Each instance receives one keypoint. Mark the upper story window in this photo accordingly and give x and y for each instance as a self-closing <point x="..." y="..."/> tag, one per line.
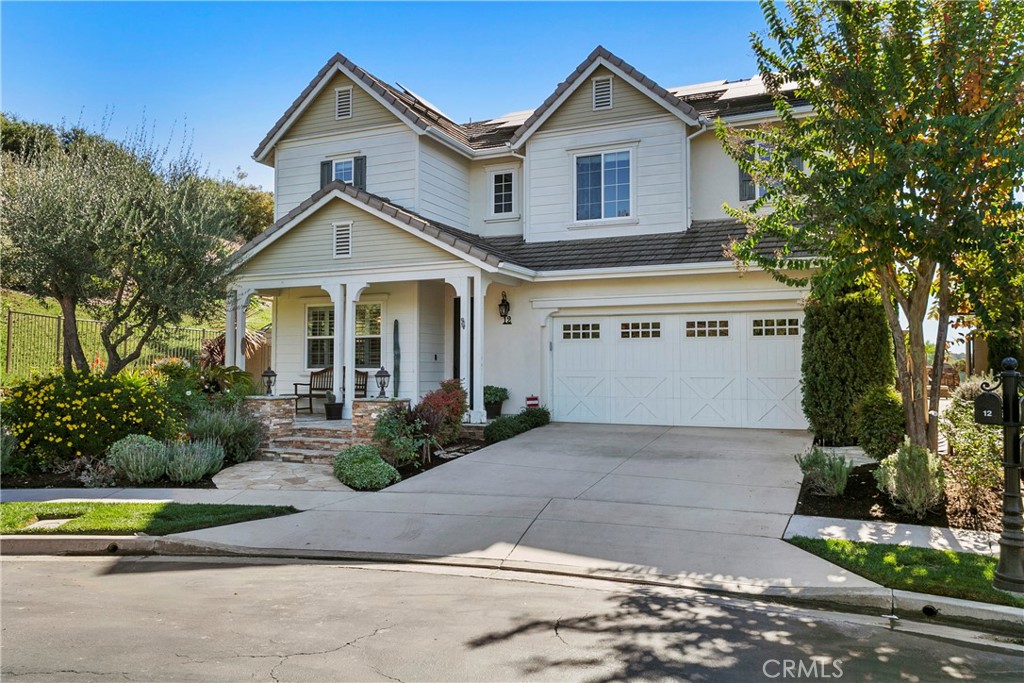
<point x="603" y="185"/>
<point x="751" y="189"/>
<point x="602" y="93"/>
<point x="501" y="184"/>
<point x="343" y="103"/>
<point x="344" y="169"/>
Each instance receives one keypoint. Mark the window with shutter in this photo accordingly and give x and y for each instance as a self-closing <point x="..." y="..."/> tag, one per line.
<point x="343" y="103"/>
<point x="342" y="240"/>
<point x="603" y="93"/>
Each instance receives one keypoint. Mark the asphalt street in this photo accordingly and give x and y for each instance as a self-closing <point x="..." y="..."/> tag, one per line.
<point x="162" y="619"/>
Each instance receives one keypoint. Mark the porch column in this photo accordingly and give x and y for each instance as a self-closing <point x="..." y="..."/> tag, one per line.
<point x="229" y="329"/>
<point x="337" y="292"/>
<point x="353" y="290"/>
<point x="463" y="290"/>
<point x="477" y="413"/>
<point x="244" y="296"/>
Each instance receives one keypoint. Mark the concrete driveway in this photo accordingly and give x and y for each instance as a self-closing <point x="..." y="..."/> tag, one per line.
<point x="707" y="507"/>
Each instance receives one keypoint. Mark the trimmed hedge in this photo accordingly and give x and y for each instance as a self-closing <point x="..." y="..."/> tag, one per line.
<point x="847" y="348"/>
<point x="360" y="467"/>
<point x="880" y="421"/>
<point x="507" y="426"/>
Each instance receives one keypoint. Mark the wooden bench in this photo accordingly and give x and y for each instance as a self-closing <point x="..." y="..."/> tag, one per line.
<point x="322" y="381"/>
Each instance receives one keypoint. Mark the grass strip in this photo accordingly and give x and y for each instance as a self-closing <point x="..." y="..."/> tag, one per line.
<point x="923" y="570"/>
<point x="154" y="519"/>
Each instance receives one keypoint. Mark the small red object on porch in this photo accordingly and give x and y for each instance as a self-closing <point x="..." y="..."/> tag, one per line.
<point x="532" y="402"/>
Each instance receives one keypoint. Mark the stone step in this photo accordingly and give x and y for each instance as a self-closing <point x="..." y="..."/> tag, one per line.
<point x="320" y="432"/>
<point x="296" y="455"/>
<point x="311" y="443"/>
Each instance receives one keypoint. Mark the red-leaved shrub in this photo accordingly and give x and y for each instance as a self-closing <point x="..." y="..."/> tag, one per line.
<point x="449" y="402"/>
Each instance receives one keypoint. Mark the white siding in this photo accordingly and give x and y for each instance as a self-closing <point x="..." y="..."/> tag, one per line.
<point x="390" y="165"/>
<point x="444" y="185"/>
<point x="431" y="335"/>
<point x="658" y="170"/>
<point x="481" y="194"/>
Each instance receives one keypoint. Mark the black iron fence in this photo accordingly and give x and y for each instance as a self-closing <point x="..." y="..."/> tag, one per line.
<point x="33" y="343"/>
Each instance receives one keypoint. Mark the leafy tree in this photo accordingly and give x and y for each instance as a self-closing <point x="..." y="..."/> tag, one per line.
<point x="912" y="154"/>
<point x="138" y="237"/>
<point x="251" y="209"/>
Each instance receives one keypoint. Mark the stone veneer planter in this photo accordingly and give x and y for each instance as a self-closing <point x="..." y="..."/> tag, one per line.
<point x="277" y="413"/>
<point x="365" y="412"/>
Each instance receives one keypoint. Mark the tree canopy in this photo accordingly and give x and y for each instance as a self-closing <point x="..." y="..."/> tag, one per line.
<point x="911" y="154"/>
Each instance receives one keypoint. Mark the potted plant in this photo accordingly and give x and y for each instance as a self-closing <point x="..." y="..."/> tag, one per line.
<point x="332" y="406"/>
<point x="493" y="398"/>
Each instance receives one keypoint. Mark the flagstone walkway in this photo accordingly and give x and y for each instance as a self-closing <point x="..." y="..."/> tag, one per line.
<point x="278" y="476"/>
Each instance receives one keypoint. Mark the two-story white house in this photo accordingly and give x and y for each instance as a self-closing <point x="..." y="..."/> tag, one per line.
<point x="597" y="217"/>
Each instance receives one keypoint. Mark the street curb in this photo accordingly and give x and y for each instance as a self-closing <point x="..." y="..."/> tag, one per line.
<point x="873" y="601"/>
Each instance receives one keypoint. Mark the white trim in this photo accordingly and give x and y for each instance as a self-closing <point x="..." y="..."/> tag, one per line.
<point x="371" y="300"/>
<point x="611" y="92"/>
<point x="491" y="172"/>
<point x="345" y="225"/>
<point x="305" y="332"/>
<point x="637" y="300"/>
<point x="334" y="167"/>
<point x="600" y="61"/>
<point x="337" y="96"/>
<point x="602" y="150"/>
<point x="799" y="112"/>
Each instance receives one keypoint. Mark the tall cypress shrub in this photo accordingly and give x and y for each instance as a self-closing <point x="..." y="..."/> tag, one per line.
<point x="847" y="349"/>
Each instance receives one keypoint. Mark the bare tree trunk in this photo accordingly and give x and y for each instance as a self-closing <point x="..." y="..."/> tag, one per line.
<point x="72" y="352"/>
<point x="899" y="340"/>
<point x="939" y="361"/>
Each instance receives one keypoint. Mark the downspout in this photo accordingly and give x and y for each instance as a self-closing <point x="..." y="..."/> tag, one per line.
<point x="689" y="167"/>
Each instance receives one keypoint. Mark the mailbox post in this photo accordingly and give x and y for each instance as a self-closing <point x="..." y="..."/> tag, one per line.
<point x="990" y="409"/>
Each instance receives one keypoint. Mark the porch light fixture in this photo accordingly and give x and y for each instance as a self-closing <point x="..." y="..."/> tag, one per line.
<point x="383" y="377"/>
<point x="503" y="308"/>
<point x="269" y="380"/>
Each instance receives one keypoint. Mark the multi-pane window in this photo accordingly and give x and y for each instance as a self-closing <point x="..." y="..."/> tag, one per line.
<point x="750" y="188"/>
<point x="319" y="336"/>
<point x="581" y="331"/>
<point x="640" y="330"/>
<point x="707" y="328"/>
<point x="776" y="327"/>
<point x="344" y="169"/>
<point x="502" y="188"/>
<point x="368" y="337"/>
<point x="603" y="185"/>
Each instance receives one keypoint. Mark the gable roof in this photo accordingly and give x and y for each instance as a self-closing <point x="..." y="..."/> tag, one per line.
<point x="602" y="57"/>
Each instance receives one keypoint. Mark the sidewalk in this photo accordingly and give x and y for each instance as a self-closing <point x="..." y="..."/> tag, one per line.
<point x="936" y="538"/>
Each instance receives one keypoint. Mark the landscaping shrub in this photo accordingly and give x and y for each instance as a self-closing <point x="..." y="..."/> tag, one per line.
<point x="361" y="467"/>
<point x="138" y="458"/>
<point x="880" y="421"/>
<point x="93" y="472"/>
<point x="238" y="431"/>
<point x="535" y="417"/>
<point x="188" y="389"/>
<point x="847" y="349"/>
<point x="1004" y="344"/>
<point x="60" y="417"/>
<point x="190" y="461"/>
<point x="400" y="436"/>
<point x="448" y="401"/>
<point x="824" y="473"/>
<point x="11" y="461"/>
<point x="912" y="476"/>
<point x="976" y="450"/>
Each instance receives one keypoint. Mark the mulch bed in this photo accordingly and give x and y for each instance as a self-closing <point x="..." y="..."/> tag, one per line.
<point x="863" y="500"/>
<point x="453" y="451"/>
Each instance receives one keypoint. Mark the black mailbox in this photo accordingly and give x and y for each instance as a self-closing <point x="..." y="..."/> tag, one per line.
<point x="988" y="409"/>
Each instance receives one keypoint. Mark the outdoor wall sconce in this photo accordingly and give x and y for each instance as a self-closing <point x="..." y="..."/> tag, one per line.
<point x="383" y="377"/>
<point x="269" y="380"/>
<point x="503" y="308"/>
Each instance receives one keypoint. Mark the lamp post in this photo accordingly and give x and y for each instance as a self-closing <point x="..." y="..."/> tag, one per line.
<point x="382" y="376"/>
<point x="269" y="380"/>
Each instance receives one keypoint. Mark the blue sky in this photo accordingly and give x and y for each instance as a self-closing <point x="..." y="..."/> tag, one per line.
<point x="228" y="70"/>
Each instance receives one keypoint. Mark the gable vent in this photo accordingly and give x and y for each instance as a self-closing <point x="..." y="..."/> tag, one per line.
<point x="603" y="93"/>
<point x="342" y="240"/>
<point x="343" y="103"/>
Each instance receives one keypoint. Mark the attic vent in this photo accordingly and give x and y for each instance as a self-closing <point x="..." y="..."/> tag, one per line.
<point x="342" y="240"/>
<point x="603" y="93"/>
<point x="343" y="103"/>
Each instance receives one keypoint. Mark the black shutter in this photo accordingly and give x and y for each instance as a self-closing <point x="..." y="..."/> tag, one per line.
<point x="746" y="186"/>
<point x="359" y="173"/>
<point x="326" y="172"/>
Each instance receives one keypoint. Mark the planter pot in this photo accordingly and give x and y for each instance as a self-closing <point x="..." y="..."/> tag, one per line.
<point x="493" y="409"/>
<point x="333" y="410"/>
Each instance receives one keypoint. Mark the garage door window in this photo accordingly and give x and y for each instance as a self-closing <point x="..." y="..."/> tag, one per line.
<point x="641" y="330"/>
<point x="776" y="327"/>
<point x="707" y="328"/>
<point x="581" y="331"/>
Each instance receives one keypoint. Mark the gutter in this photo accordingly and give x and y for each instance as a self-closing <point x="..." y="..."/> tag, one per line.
<point x="689" y="166"/>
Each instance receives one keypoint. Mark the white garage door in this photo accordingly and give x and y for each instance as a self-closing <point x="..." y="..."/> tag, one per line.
<point x="711" y="370"/>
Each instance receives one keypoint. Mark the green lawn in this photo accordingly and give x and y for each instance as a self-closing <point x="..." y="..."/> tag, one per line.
<point x="154" y="519"/>
<point x="923" y="570"/>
